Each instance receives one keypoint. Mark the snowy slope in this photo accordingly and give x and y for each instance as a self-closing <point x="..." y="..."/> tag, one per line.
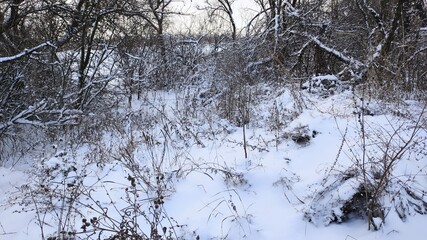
<point x="186" y="174"/>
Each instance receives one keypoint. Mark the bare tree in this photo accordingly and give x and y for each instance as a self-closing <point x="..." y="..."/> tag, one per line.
<point x="155" y="14"/>
<point x="223" y="9"/>
<point x="37" y="82"/>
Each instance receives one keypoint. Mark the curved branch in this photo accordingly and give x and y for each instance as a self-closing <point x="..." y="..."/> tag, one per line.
<point x="25" y="52"/>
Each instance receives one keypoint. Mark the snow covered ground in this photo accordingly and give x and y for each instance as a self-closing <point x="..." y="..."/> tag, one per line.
<point x="178" y="169"/>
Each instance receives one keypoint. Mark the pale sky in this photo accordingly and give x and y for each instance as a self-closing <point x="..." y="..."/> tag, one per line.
<point x="243" y="10"/>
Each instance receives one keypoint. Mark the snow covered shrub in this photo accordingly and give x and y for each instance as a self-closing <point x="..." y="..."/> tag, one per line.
<point x="302" y="135"/>
<point x="279" y="117"/>
<point x="323" y="85"/>
<point x="119" y="199"/>
<point x="54" y="192"/>
<point x="235" y="103"/>
<point x="145" y="66"/>
<point x="231" y="177"/>
<point x="379" y="181"/>
<point x="342" y="197"/>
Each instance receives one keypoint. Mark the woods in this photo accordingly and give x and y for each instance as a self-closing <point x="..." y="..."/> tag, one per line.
<point x="380" y="44"/>
<point x="119" y="82"/>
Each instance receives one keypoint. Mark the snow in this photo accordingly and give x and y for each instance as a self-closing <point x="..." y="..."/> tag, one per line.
<point x="210" y="190"/>
<point x="328" y="77"/>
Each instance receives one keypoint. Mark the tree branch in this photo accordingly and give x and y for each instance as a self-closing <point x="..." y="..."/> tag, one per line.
<point x="25" y="52"/>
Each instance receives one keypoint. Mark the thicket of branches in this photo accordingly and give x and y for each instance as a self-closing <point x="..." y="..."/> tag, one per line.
<point x="54" y="53"/>
<point x="60" y="58"/>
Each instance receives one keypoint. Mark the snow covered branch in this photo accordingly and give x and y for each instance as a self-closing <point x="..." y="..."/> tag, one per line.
<point x="25" y="52"/>
<point x="252" y="65"/>
<point x="414" y="55"/>
<point x="338" y="54"/>
<point x="31" y="116"/>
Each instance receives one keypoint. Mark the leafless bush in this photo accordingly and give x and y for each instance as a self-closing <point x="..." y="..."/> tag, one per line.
<point x="86" y="202"/>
